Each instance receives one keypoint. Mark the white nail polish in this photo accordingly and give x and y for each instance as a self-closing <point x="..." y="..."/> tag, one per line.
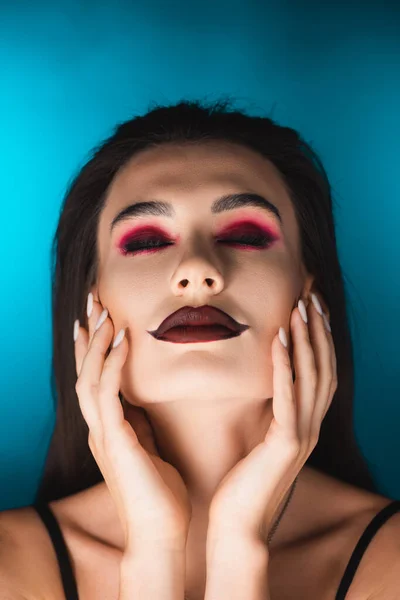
<point x="282" y="336"/>
<point x="302" y="310"/>
<point x="76" y="329"/>
<point x="101" y="320"/>
<point x="119" y="338"/>
<point x="326" y="323"/>
<point x="89" y="304"/>
<point x="316" y="303"/>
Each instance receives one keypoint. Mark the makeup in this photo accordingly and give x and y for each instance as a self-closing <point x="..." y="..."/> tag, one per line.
<point x="192" y="334"/>
<point x="245" y="234"/>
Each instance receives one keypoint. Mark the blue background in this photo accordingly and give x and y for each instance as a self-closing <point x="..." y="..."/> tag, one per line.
<point x="69" y="73"/>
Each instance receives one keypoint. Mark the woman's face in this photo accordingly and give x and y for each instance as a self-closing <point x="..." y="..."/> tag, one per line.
<point x="257" y="286"/>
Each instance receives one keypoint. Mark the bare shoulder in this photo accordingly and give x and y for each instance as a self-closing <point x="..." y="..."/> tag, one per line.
<point x="377" y="576"/>
<point x="321" y="535"/>
<point x="378" y="573"/>
<point x="11" y="585"/>
<point x="27" y="559"/>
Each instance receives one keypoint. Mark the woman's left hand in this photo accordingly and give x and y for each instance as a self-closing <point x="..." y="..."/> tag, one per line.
<point x="247" y="499"/>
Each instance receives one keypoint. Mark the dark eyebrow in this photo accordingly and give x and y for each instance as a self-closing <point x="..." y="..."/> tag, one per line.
<point x="159" y="208"/>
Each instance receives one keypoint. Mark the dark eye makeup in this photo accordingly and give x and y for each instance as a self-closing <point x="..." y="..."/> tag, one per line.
<point x="244" y="235"/>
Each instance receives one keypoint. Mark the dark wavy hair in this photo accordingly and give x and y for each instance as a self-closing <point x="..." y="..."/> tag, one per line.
<point x="70" y="467"/>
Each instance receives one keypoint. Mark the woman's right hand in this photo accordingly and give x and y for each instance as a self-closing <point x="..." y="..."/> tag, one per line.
<point x="150" y="496"/>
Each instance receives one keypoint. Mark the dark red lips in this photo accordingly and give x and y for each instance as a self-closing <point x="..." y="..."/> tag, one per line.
<point x="202" y="323"/>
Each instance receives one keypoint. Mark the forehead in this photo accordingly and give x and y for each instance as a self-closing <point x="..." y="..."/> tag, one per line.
<point x="170" y="168"/>
<point x="194" y="175"/>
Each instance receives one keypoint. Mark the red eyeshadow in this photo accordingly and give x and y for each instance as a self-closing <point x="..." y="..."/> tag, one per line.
<point x="247" y="222"/>
<point x="238" y="226"/>
<point x="143" y="231"/>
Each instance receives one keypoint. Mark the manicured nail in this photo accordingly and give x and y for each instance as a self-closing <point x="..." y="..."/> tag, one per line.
<point x="316" y="303"/>
<point x="89" y="304"/>
<point x="282" y="336"/>
<point x="119" y="338"/>
<point x="76" y="329"/>
<point x="302" y="310"/>
<point x="326" y="323"/>
<point x="101" y="320"/>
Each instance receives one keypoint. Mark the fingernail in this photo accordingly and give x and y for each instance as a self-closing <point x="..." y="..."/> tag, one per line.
<point x="119" y="338"/>
<point x="282" y="336"/>
<point x="101" y="320"/>
<point x="302" y="310"/>
<point x="316" y="303"/>
<point x="326" y="323"/>
<point x="89" y="304"/>
<point x="76" y="329"/>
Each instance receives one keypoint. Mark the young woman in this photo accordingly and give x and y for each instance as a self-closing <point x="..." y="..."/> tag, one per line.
<point x="210" y="454"/>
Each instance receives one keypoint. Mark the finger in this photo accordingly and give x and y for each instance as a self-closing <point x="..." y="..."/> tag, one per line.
<point x="111" y="410"/>
<point x="283" y="401"/>
<point x="100" y="343"/>
<point x="87" y="405"/>
<point x="80" y="346"/>
<point x="334" y="382"/>
<point x="87" y="385"/>
<point x="322" y="352"/>
<point x="330" y="339"/>
<point x="306" y="372"/>
<point x="93" y="311"/>
<point x="85" y="335"/>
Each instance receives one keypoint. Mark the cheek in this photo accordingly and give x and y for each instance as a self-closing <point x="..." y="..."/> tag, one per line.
<point x="122" y="294"/>
<point x="274" y="294"/>
<point x="274" y="281"/>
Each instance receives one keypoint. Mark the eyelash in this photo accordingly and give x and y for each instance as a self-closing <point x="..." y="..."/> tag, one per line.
<point x="256" y="240"/>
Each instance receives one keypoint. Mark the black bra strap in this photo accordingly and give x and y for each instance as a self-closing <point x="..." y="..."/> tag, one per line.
<point x="67" y="574"/>
<point x="68" y="577"/>
<point x="379" y="519"/>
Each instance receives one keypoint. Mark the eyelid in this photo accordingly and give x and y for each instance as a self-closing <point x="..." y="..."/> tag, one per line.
<point x="265" y="228"/>
<point x="156" y="229"/>
<point x="143" y="231"/>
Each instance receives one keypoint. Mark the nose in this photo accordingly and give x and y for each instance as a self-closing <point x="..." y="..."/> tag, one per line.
<point x="195" y="277"/>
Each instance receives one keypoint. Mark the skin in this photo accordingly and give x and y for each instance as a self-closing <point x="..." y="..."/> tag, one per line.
<point x="212" y="407"/>
<point x="209" y="404"/>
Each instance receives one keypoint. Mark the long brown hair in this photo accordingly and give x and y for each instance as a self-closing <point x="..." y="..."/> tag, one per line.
<point x="70" y="466"/>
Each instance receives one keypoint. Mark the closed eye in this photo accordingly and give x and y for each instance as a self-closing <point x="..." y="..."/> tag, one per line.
<point x="256" y="240"/>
